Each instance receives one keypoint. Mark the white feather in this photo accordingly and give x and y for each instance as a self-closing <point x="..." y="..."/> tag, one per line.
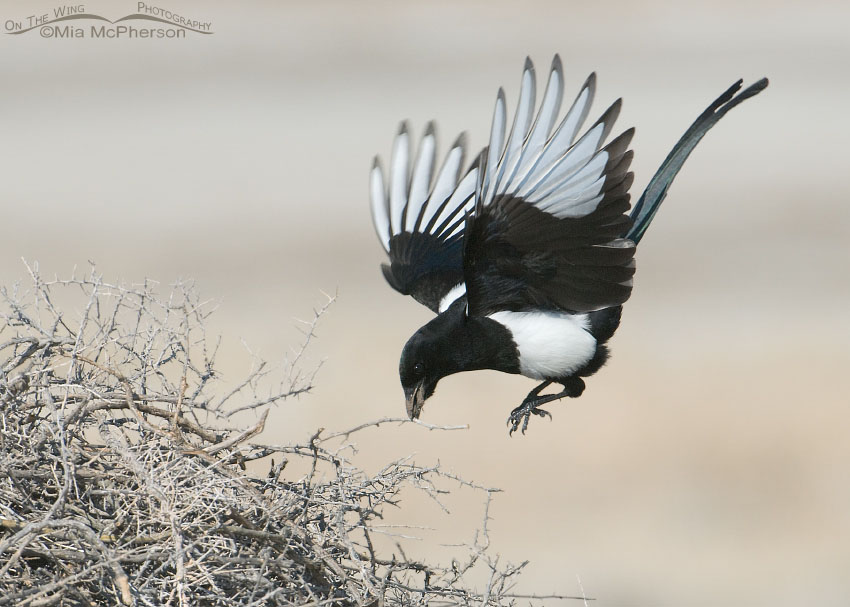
<point x="576" y="183"/>
<point x="459" y="290"/>
<point x="556" y="173"/>
<point x="551" y="345"/>
<point x="571" y="207"/>
<point x="420" y="183"/>
<point x="399" y="171"/>
<point x="520" y="129"/>
<point x="567" y="165"/>
<point x="563" y="137"/>
<point x="379" y="205"/>
<point x="407" y="203"/>
<point x="446" y="181"/>
<point x="546" y="117"/>
<point x="577" y="114"/>
<point x="494" y="150"/>
<point x="463" y="196"/>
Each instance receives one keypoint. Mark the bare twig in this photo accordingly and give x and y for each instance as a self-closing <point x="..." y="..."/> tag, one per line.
<point x="120" y="477"/>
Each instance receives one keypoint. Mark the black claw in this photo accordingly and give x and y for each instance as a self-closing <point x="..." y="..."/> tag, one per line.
<point x="523" y="414"/>
<point x="572" y="387"/>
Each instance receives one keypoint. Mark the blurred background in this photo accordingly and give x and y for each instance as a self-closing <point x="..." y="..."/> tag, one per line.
<point x="706" y="464"/>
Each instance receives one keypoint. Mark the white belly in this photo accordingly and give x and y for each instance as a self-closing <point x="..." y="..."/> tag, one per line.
<point x="550" y="344"/>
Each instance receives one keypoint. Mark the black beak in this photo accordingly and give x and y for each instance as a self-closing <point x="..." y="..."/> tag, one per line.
<point x="415" y="400"/>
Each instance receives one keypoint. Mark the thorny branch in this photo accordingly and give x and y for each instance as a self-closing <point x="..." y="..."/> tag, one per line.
<point x="122" y="477"/>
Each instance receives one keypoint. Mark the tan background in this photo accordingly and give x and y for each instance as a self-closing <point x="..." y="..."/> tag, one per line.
<point x="706" y="464"/>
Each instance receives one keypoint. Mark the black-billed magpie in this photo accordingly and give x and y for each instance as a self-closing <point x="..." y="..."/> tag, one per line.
<point x="528" y="255"/>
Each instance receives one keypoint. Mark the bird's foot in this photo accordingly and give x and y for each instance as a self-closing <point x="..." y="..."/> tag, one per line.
<point x="573" y="387"/>
<point x="524" y="412"/>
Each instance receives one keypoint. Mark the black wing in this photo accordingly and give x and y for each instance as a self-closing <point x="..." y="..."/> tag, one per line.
<point x="420" y="221"/>
<point x="550" y="210"/>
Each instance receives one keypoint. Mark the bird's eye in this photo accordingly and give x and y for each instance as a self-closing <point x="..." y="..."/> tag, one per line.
<point x="419" y="368"/>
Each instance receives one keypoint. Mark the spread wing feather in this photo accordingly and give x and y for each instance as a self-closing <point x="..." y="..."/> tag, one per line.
<point x="540" y="220"/>
<point x="550" y="208"/>
<point x="419" y="219"/>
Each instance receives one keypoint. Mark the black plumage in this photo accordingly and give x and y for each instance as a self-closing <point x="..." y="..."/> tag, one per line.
<point x="528" y="256"/>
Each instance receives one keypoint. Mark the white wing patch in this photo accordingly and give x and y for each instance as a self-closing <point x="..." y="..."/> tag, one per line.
<point x="550" y="170"/>
<point x="459" y="290"/>
<point x="551" y="344"/>
<point x="417" y="201"/>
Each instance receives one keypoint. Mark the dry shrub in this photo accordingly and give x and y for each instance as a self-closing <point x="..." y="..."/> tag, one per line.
<point x="123" y="480"/>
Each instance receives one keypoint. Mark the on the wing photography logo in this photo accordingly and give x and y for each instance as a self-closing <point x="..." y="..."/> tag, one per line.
<point x="75" y="22"/>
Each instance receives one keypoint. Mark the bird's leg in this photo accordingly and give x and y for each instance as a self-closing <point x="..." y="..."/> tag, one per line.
<point x="573" y="386"/>
<point x="529" y="405"/>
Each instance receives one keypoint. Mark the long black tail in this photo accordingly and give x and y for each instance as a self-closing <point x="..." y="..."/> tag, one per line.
<point x="655" y="192"/>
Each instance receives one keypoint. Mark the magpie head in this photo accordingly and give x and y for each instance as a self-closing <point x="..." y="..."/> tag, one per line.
<point x="435" y="351"/>
<point x="419" y="373"/>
